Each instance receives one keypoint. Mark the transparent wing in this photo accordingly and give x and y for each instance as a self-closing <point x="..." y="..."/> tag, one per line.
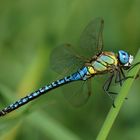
<point x="64" y="60"/>
<point x="77" y="93"/>
<point x="91" y="40"/>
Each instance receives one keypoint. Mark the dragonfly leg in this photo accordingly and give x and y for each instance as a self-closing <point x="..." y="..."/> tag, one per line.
<point x="134" y="65"/>
<point x="119" y="79"/>
<point x="106" y="87"/>
<point x="123" y="79"/>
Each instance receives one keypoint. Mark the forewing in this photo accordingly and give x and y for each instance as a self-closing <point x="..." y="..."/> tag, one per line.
<point x="91" y="40"/>
<point x="64" y="60"/>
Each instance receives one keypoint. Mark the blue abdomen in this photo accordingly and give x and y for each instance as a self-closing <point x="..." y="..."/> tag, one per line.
<point x="80" y="74"/>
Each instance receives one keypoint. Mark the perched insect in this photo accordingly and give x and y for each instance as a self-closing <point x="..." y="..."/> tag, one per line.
<point x="93" y="61"/>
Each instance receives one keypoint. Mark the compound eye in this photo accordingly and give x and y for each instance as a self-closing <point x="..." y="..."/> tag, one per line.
<point x="123" y="57"/>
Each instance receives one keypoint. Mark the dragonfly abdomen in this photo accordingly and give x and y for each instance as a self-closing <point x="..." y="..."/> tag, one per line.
<point x="79" y="75"/>
<point x="82" y="74"/>
<point x="36" y="94"/>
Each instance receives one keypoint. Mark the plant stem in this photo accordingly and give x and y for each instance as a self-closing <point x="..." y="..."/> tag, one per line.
<point x="119" y="101"/>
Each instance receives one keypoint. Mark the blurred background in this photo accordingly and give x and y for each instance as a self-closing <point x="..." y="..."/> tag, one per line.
<point x="29" y="30"/>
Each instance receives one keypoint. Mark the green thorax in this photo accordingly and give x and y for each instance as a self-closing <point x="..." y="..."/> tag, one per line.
<point x="104" y="61"/>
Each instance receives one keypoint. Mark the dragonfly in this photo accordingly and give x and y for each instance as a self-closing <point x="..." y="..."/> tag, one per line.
<point x="85" y="62"/>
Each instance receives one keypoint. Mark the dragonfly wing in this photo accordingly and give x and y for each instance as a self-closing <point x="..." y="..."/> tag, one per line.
<point x="91" y="40"/>
<point x="63" y="59"/>
<point x="77" y="93"/>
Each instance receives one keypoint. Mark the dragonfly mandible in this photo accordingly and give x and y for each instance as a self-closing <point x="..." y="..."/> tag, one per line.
<point x="92" y="61"/>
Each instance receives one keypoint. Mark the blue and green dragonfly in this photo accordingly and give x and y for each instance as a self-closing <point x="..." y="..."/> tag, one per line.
<point x="87" y="61"/>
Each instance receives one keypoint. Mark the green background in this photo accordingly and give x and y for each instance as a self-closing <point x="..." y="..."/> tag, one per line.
<point x="29" y="30"/>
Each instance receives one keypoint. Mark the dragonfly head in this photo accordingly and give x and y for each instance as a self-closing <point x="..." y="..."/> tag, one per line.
<point x="125" y="59"/>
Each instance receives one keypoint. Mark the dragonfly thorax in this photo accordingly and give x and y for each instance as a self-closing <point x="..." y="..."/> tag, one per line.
<point x="104" y="62"/>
